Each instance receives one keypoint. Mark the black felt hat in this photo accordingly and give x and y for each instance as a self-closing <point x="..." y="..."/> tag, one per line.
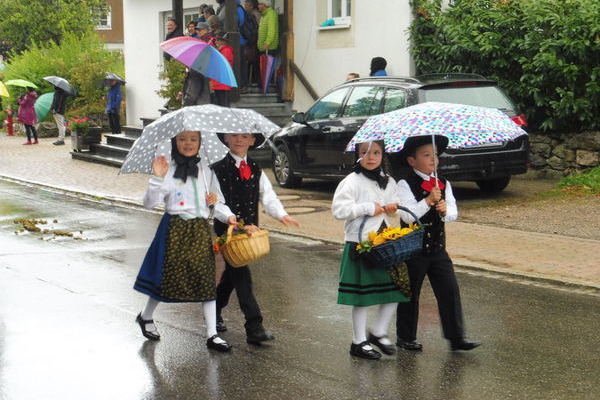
<point x="414" y="142"/>
<point x="260" y="139"/>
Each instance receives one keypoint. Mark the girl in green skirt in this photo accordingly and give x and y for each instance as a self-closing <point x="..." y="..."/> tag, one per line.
<point x="367" y="192"/>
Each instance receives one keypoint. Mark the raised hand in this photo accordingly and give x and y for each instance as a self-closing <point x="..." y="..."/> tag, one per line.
<point x="160" y="167"/>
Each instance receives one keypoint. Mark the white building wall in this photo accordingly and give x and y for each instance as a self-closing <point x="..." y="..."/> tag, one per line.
<point x="378" y="28"/>
<point x="143" y="33"/>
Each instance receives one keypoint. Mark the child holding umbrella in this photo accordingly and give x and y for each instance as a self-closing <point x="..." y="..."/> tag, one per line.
<point x="180" y="265"/>
<point x="432" y="201"/>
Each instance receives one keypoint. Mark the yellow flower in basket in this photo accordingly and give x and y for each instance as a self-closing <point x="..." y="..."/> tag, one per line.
<point x="390" y="233"/>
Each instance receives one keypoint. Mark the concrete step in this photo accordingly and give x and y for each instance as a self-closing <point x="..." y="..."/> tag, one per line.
<point x="123" y="139"/>
<point x="258" y="98"/>
<point x="98" y="159"/>
<point x="147" y="121"/>
<point x="265" y="109"/>
<point x="110" y="150"/>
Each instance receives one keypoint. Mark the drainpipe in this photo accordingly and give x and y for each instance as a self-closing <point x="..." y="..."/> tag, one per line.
<point x="231" y="27"/>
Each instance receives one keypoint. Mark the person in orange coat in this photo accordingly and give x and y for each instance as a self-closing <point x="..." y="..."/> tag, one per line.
<point x="220" y="91"/>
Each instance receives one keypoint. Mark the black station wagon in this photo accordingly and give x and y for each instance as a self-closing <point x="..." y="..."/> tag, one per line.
<point x="312" y="145"/>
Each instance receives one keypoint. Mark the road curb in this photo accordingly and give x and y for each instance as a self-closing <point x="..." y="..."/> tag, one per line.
<point x="465" y="266"/>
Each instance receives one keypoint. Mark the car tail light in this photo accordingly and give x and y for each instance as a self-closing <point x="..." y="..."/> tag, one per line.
<point x="520" y="120"/>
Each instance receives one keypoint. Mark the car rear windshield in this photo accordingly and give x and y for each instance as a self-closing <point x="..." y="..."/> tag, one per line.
<point x="483" y="96"/>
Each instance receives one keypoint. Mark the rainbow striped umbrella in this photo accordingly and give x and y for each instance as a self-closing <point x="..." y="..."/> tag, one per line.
<point x="201" y="57"/>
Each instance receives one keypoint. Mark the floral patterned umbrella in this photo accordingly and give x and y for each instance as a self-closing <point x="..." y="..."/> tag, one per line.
<point x="463" y="125"/>
<point x="208" y="119"/>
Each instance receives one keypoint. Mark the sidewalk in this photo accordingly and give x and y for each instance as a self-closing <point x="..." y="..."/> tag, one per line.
<point x="538" y="256"/>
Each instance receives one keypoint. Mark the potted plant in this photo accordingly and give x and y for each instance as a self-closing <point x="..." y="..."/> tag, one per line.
<point x="83" y="133"/>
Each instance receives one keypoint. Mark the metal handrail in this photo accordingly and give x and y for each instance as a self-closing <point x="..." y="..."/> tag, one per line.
<point x="303" y="80"/>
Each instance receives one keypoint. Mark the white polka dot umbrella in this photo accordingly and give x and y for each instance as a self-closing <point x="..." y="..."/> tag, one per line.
<point x="208" y="119"/>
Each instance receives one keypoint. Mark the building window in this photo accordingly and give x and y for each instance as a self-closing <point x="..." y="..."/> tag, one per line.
<point x="105" y="20"/>
<point x="339" y="11"/>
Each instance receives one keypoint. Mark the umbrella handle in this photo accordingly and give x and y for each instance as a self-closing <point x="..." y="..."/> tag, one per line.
<point x="212" y="206"/>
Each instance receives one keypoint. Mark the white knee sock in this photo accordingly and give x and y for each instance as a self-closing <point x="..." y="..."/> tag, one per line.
<point x="386" y="312"/>
<point x="148" y="312"/>
<point x="209" y="308"/>
<point x="359" y="324"/>
<point x="149" y="309"/>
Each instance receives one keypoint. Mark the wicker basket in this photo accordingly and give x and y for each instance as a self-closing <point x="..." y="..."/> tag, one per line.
<point x="240" y="250"/>
<point x="393" y="252"/>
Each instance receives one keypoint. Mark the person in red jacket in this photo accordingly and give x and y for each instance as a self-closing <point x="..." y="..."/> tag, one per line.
<point x="220" y="91"/>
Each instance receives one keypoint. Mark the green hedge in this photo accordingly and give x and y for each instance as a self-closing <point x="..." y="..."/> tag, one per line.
<point x="544" y="53"/>
<point x="83" y="61"/>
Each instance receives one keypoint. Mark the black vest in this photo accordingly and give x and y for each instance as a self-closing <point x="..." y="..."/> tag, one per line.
<point x="435" y="238"/>
<point x="240" y="196"/>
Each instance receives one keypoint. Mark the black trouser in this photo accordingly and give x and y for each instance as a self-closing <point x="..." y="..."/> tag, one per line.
<point x="114" y="121"/>
<point x="438" y="267"/>
<point x="220" y="97"/>
<point x="239" y="279"/>
<point x="243" y="67"/>
<point x="30" y="131"/>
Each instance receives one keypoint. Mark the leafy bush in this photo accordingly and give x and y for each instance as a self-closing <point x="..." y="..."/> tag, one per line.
<point x="25" y="22"/>
<point x="588" y="181"/>
<point x="83" y="61"/>
<point x="543" y="52"/>
<point x="172" y="76"/>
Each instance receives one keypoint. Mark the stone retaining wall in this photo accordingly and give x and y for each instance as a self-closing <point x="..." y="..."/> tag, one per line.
<point x="558" y="155"/>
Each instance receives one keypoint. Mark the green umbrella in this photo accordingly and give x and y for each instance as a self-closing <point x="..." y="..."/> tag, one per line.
<point x="42" y="105"/>
<point x="21" y="82"/>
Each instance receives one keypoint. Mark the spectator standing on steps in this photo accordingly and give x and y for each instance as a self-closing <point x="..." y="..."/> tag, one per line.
<point x="113" y="106"/>
<point x="173" y="31"/>
<point x="220" y="91"/>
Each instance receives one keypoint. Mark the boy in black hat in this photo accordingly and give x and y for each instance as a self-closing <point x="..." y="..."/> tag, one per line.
<point x="431" y="199"/>
<point x="243" y="185"/>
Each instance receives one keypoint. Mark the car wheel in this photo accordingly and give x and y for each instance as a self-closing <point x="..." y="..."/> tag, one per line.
<point x="282" y="168"/>
<point x="493" y="185"/>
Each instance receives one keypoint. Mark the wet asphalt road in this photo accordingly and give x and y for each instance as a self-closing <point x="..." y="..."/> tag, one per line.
<point x="67" y="326"/>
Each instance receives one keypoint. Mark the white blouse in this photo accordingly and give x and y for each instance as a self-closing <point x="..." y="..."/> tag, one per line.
<point x="266" y="194"/>
<point x="355" y="197"/>
<point x="407" y="199"/>
<point x="181" y="199"/>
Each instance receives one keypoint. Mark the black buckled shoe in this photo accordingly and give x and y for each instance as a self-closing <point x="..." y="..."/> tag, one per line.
<point x="364" y="350"/>
<point x="388" y="349"/>
<point x="142" y="323"/>
<point x="464" y="345"/>
<point x="221" y="327"/>
<point x="258" y="336"/>
<point x="222" y="347"/>
<point x="412" y="345"/>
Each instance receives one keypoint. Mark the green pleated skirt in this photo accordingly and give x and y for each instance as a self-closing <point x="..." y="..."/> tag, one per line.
<point x="363" y="285"/>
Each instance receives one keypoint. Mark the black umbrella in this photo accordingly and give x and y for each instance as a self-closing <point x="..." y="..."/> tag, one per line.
<point x="61" y="83"/>
<point x="112" y="76"/>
